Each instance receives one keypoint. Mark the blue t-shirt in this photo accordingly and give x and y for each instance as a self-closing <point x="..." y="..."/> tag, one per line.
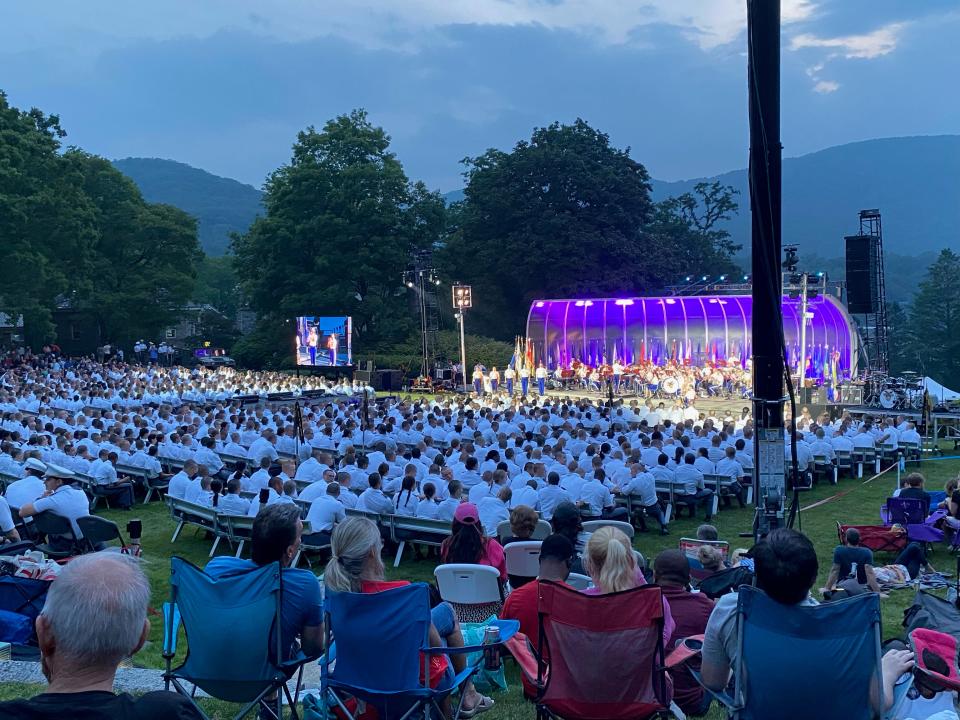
<point x="301" y="594"/>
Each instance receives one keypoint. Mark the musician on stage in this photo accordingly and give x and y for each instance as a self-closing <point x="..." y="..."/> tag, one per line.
<point x="494" y="379"/>
<point x="313" y="339"/>
<point x="478" y="380"/>
<point x="332" y="344"/>
<point x="617" y="374"/>
<point x="509" y="374"/>
<point x="524" y="379"/>
<point x="541" y="373"/>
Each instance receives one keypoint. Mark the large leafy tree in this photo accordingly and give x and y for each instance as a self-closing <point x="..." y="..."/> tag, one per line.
<point x="46" y="221"/>
<point x="935" y="320"/>
<point x="144" y="256"/>
<point x="341" y="222"/>
<point x="566" y="214"/>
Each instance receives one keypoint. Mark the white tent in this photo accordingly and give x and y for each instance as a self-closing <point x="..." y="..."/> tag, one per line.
<point x="938" y="392"/>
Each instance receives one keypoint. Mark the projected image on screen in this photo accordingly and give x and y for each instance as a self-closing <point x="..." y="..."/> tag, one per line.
<point x="324" y="341"/>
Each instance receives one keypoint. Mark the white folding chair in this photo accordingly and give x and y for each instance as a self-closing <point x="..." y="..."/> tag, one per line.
<point x="579" y="582"/>
<point x="466" y="584"/>
<point x="591" y="526"/>
<point x="523" y="558"/>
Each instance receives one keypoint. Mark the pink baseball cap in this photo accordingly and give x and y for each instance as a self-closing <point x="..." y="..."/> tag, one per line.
<point x="466" y="513"/>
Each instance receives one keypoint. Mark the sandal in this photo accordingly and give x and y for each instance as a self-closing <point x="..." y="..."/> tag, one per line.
<point x="481" y="707"/>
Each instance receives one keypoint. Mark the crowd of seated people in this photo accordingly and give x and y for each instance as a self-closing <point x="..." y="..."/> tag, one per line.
<point x="472" y="464"/>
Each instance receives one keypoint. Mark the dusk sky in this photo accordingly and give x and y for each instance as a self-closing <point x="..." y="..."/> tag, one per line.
<point x="225" y="85"/>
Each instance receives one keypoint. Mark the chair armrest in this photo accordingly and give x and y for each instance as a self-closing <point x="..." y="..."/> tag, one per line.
<point x="171" y="628"/>
<point x="721" y="697"/>
<point x="688" y="648"/>
<point x="508" y="628"/>
<point x="521" y="649"/>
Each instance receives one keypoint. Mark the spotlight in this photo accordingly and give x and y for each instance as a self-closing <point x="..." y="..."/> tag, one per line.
<point x="746" y="277"/>
<point x="437" y="281"/>
<point x="703" y="279"/>
<point x="409" y="283"/>
<point x="688" y="278"/>
<point x="820" y="274"/>
<point x="722" y="278"/>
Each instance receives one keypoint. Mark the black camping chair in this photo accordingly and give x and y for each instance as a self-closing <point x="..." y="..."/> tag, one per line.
<point x="62" y="541"/>
<point x="98" y="532"/>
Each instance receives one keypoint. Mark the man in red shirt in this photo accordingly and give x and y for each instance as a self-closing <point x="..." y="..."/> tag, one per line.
<point x="556" y="556"/>
<point x="690" y="611"/>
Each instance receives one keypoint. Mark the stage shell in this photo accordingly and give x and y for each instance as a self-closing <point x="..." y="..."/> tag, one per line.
<point x="693" y="330"/>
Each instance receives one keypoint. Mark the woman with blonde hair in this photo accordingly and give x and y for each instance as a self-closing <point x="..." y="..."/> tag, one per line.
<point x="611" y="564"/>
<point x="355" y="566"/>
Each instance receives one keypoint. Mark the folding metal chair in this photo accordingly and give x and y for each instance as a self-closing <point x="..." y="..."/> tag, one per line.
<point x="235" y="646"/>
<point x="381" y="651"/>
<point x="622" y="636"/>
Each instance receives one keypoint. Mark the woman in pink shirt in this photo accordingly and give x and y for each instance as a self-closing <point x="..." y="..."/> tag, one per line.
<point x="468" y="544"/>
<point x="611" y="564"/>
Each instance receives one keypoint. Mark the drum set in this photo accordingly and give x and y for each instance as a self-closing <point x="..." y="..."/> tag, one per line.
<point x="897" y="393"/>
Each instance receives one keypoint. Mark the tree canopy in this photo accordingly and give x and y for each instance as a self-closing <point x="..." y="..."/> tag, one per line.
<point x="77" y="233"/>
<point x="935" y="321"/>
<point x="566" y="214"/>
<point x="341" y="222"/>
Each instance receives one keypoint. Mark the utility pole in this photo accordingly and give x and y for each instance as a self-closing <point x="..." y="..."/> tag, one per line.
<point x="763" y="63"/>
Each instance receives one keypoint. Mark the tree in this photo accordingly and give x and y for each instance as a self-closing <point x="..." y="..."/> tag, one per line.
<point x="143" y="260"/>
<point x="566" y="214"/>
<point x="46" y="221"/>
<point x="691" y="239"/>
<point x="341" y="222"/>
<point x="902" y="339"/>
<point x="935" y="317"/>
<point x="218" y="284"/>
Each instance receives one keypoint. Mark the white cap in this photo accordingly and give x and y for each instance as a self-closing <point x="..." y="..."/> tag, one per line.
<point x="34" y="464"/>
<point x="59" y="472"/>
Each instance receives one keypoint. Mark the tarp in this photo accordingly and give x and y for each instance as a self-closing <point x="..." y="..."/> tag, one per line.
<point x="938" y="392"/>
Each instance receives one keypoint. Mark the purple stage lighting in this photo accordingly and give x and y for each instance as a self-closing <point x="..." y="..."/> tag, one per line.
<point x="693" y="330"/>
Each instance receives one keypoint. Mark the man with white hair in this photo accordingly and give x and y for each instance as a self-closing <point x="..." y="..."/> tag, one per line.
<point x="95" y="615"/>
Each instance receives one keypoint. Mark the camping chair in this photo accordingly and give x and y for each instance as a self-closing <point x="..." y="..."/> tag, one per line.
<point x="523" y="561"/>
<point x="910" y="514"/>
<point x="878" y="538"/>
<point x="51" y="525"/>
<point x="23" y="596"/>
<point x="621" y="634"/>
<point x="381" y="652"/>
<point x="239" y="666"/>
<point x="834" y="647"/>
<point x="474" y="591"/>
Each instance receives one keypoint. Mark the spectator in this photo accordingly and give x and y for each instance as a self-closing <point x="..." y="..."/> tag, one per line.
<point x="181" y="482"/>
<point x="356" y="566"/>
<point x="468" y="543"/>
<point x="914" y="489"/>
<point x="60" y="498"/>
<point x="566" y="521"/>
<point x="690" y="612"/>
<point x="711" y="560"/>
<point x="523" y="523"/>
<point x="94" y="616"/>
<point x="853" y="571"/>
<point x="232" y="503"/>
<point x="276" y="538"/>
<point x="428" y="506"/>
<point x="495" y="509"/>
<point x="612" y="565"/>
<point x="29" y="487"/>
<point x="8" y="531"/>
<point x="786" y="567"/>
<point x="324" y="513"/>
<point x="449" y="505"/>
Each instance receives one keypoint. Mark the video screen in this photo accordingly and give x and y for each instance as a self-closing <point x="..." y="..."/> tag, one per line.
<point x="324" y="341"/>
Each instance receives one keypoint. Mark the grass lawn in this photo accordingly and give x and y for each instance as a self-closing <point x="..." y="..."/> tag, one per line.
<point x="860" y="505"/>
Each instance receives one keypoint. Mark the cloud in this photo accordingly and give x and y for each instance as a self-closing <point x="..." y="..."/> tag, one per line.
<point x="826" y="86"/>
<point x="375" y="24"/>
<point x="882" y="41"/>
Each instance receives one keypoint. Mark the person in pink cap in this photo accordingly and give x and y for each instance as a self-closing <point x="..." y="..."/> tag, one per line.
<point x="469" y="544"/>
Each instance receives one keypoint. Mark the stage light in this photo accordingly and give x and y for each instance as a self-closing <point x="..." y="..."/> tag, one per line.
<point x="820" y="274"/>
<point x="746" y="277"/>
<point x="623" y="302"/>
<point x="703" y="279"/>
<point x="689" y="278"/>
<point x="409" y="283"/>
<point x="722" y="278"/>
<point x="437" y="281"/>
<point x="540" y="303"/>
<point x="671" y="301"/>
<point x="579" y="303"/>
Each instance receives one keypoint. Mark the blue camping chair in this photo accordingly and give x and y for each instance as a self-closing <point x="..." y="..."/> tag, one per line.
<point x="232" y="625"/>
<point x="377" y="656"/>
<point x="800" y="662"/>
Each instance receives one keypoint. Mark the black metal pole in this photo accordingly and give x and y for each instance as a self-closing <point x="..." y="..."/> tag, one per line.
<point x="763" y="36"/>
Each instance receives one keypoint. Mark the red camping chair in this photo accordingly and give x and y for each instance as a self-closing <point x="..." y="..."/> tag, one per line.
<point x="598" y="657"/>
<point x="878" y="538"/>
